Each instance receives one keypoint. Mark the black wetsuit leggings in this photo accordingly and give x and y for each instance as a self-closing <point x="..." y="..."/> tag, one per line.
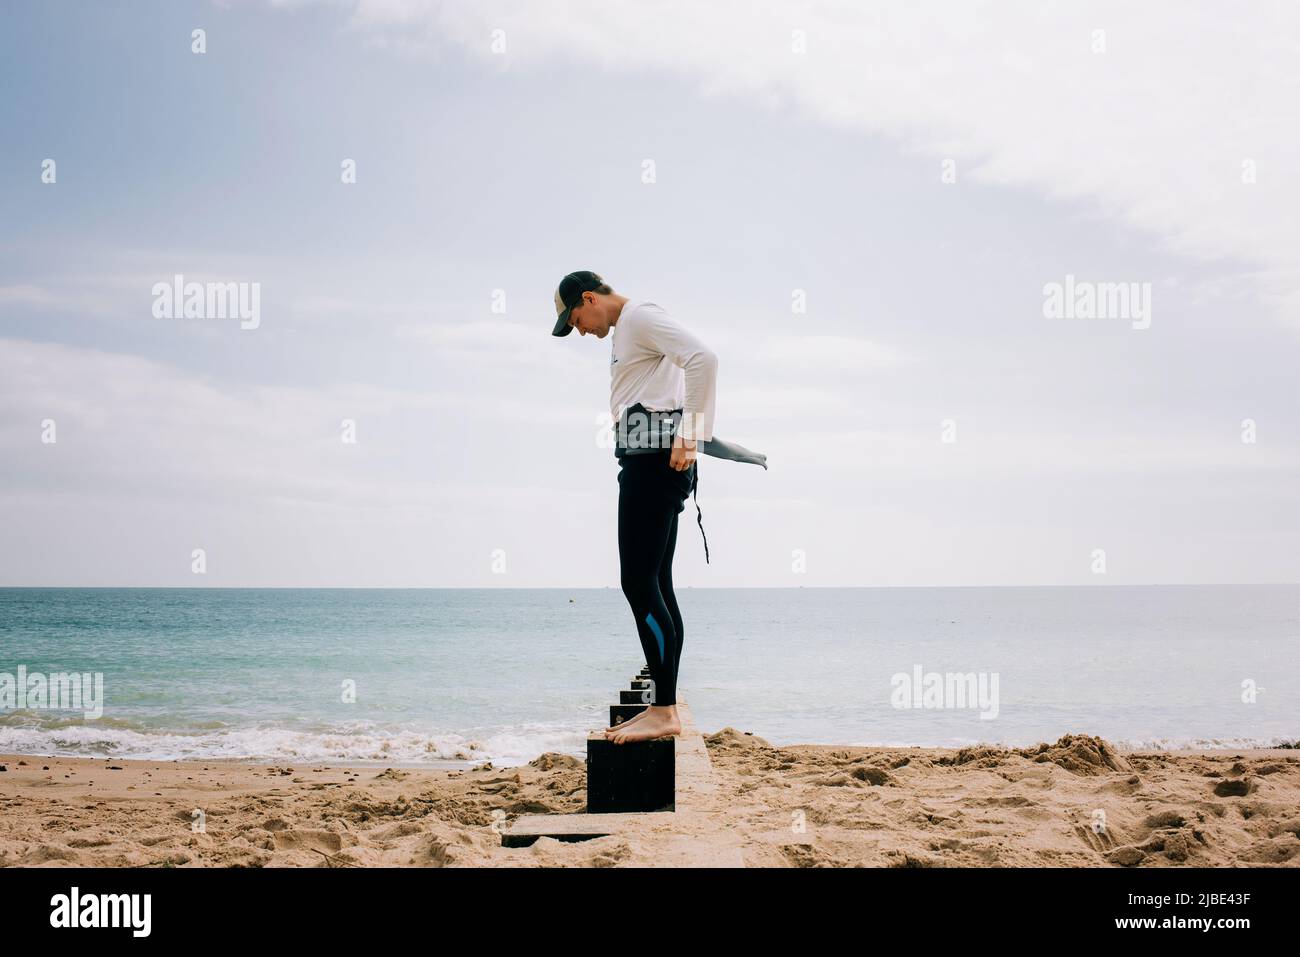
<point x="651" y="494"/>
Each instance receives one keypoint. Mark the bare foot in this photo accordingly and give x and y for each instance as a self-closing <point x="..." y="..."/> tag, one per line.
<point x="623" y="724"/>
<point x="656" y="722"/>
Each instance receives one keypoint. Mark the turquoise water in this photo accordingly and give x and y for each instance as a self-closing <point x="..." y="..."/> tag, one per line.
<point x="454" y="676"/>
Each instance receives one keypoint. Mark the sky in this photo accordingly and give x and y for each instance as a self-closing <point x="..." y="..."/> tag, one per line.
<point x="860" y="207"/>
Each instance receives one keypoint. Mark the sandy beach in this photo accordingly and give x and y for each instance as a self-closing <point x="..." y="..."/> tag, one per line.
<point x="1075" y="803"/>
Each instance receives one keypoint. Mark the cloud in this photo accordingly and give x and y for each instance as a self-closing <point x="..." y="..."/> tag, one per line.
<point x="1154" y="121"/>
<point x="27" y="295"/>
<point x="502" y="339"/>
<point x="1019" y="452"/>
<point x="128" y="427"/>
<point x="828" y="353"/>
<point x="64" y="297"/>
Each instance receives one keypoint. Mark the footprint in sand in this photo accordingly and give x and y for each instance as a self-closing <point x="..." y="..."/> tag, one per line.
<point x="327" y="842"/>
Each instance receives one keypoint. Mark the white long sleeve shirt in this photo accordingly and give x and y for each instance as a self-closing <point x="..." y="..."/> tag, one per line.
<point x="657" y="361"/>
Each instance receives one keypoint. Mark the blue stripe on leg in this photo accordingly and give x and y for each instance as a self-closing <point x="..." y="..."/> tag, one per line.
<point x="659" y="635"/>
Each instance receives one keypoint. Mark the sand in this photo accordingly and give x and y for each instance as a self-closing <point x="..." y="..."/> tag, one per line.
<point x="1075" y="803"/>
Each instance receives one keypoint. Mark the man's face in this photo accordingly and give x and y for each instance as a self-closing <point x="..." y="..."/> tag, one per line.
<point x="589" y="317"/>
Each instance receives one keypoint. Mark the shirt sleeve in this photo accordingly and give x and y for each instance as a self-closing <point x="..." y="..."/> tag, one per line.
<point x="669" y="337"/>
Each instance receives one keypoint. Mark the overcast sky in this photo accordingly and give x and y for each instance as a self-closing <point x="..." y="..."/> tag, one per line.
<point x="920" y="174"/>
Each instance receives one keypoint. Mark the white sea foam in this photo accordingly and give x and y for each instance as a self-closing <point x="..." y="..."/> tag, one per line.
<point x="504" y="747"/>
<point x="367" y="744"/>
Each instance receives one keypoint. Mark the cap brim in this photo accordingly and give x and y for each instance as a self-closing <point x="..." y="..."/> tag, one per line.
<point x="562" y="327"/>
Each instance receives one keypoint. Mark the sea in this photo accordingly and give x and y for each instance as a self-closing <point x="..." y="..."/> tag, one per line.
<point x="458" y="677"/>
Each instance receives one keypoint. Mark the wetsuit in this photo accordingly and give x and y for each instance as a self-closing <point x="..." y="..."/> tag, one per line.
<point x="651" y="494"/>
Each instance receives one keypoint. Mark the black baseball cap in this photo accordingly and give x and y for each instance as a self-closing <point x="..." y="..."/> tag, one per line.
<point x="569" y="294"/>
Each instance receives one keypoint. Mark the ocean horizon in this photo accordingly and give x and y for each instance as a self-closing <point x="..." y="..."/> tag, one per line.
<point x="453" y="677"/>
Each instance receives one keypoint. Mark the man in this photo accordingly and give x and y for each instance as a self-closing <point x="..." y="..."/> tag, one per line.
<point x="656" y="365"/>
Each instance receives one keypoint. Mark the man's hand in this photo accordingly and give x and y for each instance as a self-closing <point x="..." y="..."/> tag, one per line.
<point x="683" y="454"/>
